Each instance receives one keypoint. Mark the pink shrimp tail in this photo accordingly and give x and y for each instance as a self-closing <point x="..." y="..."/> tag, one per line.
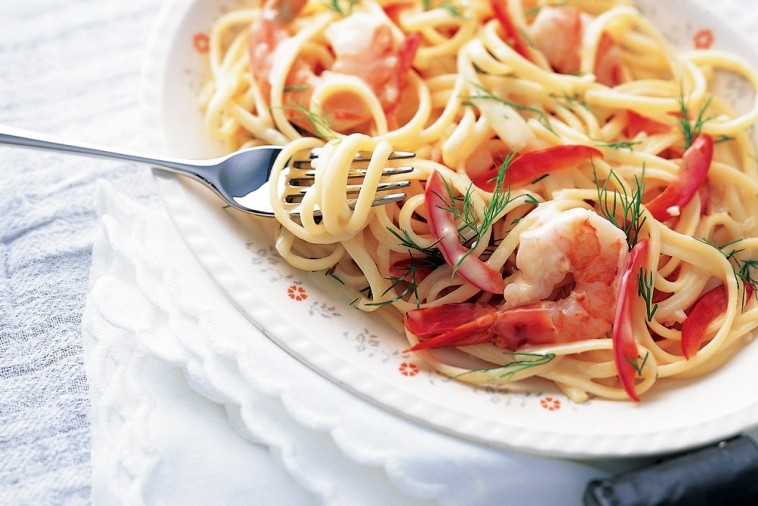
<point x="476" y="323"/>
<point x="451" y="325"/>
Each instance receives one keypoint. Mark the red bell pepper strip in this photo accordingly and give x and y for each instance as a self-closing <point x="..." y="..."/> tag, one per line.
<point x="405" y="55"/>
<point x="636" y="123"/>
<point x="706" y="309"/>
<point x="696" y="161"/>
<point x="530" y="166"/>
<point x="624" y="343"/>
<point x="444" y="230"/>
<point x="513" y="37"/>
<point x="394" y="9"/>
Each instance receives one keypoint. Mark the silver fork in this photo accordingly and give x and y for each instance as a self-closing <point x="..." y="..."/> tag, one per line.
<point x="239" y="178"/>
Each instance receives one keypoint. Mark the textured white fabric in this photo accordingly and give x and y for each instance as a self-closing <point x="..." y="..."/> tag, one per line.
<point x="151" y="315"/>
<point x="68" y="68"/>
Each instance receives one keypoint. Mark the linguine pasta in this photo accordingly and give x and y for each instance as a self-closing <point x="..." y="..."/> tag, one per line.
<point x="583" y="206"/>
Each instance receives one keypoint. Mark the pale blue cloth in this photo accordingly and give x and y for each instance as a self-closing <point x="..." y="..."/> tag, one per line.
<point x="68" y="68"/>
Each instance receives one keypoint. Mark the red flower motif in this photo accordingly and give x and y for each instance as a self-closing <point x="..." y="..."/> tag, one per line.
<point x="201" y="42"/>
<point x="550" y="403"/>
<point x="703" y="39"/>
<point x="296" y="292"/>
<point x="408" y="369"/>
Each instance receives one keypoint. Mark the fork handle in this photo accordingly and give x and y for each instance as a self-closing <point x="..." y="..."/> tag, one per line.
<point x="26" y="138"/>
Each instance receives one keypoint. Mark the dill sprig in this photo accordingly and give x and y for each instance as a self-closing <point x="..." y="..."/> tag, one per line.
<point x="407" y="241"/>
<point x="618" y="144"/>
<point x="293" y="88"/>
<point x="501" y="197"/>
<point x="645" y="289"/>
<point x="631" y="217"/>
<point x="515" y="366"/>
<point x="407" y="278"/>
<point x="319" y="122"/>
<point x="536" y="9"/>
<point x="571" y="102"/>
<point x="691" y="129"/>
<point x="330" y="272"/>
<point x="341" y="7"/>
<point x="638" y="366"/>
<point x="447" y="5"/>
<point x="472" y="228"/>
<point x="542" y="116"/>
<point x="745" y="270"/>
<point x="430" y="258"/>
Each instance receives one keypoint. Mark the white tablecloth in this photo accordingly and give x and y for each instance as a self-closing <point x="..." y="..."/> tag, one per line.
<point x="158" y="417"/>
<point x="69" y="68"/>
<point x="150" y="316"/>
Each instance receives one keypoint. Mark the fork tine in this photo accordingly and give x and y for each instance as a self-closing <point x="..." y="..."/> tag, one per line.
<point x="359" y="158"/>
<point x="359" y="172"/>
<point x="307" y="177"/>
<point x="362" y="157"/>
<point x="379" y="201"/>
<point x="386" y="199"/>
<point x="354" y="189"/>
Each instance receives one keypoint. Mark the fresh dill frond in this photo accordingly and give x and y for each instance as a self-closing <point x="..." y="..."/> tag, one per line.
<point x="618" y="144"/>
<point x="319" y="122"/>
<point x="501" y="197"/>
<point x="330" y="273"/>
<point x="448" y="5"/>
<point x="723" y="138"/>
<point x="515" y="366"/>
<point x="631" y="218"/>
<point x="526" y="36"/>
<point x="745" y="270"/>
<point x="542" y="116"/>
<point x="571" y="102"/>
<point x="472" y="228"/>
<point x="407" y="279"/>
<point x="645" y="289"/>
<point x="341" y="7"/>
<point x="537" y="8"/>
<point x="293" y="88"/>
<point x="407" y="241"/>
<point x="636" y="364"/>
<point x="531" y="199"/>
<point x="691" y="129"/>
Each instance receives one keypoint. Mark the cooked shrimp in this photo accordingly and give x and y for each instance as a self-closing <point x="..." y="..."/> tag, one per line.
<point x="363" y="46"/>
<point x="576" y="251"/>
<point x="267" y="32"/>
<point x="558" y="32"/>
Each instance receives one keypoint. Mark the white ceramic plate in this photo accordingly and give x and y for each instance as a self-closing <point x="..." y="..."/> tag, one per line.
<point x="358" y="350"/>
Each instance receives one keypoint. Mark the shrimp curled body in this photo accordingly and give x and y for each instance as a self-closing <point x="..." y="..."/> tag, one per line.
<point x="576" y="251"/>
<point x="362" y="50"/>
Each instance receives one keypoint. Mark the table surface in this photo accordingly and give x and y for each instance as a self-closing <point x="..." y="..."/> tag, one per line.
<point x="69" y="68"/>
